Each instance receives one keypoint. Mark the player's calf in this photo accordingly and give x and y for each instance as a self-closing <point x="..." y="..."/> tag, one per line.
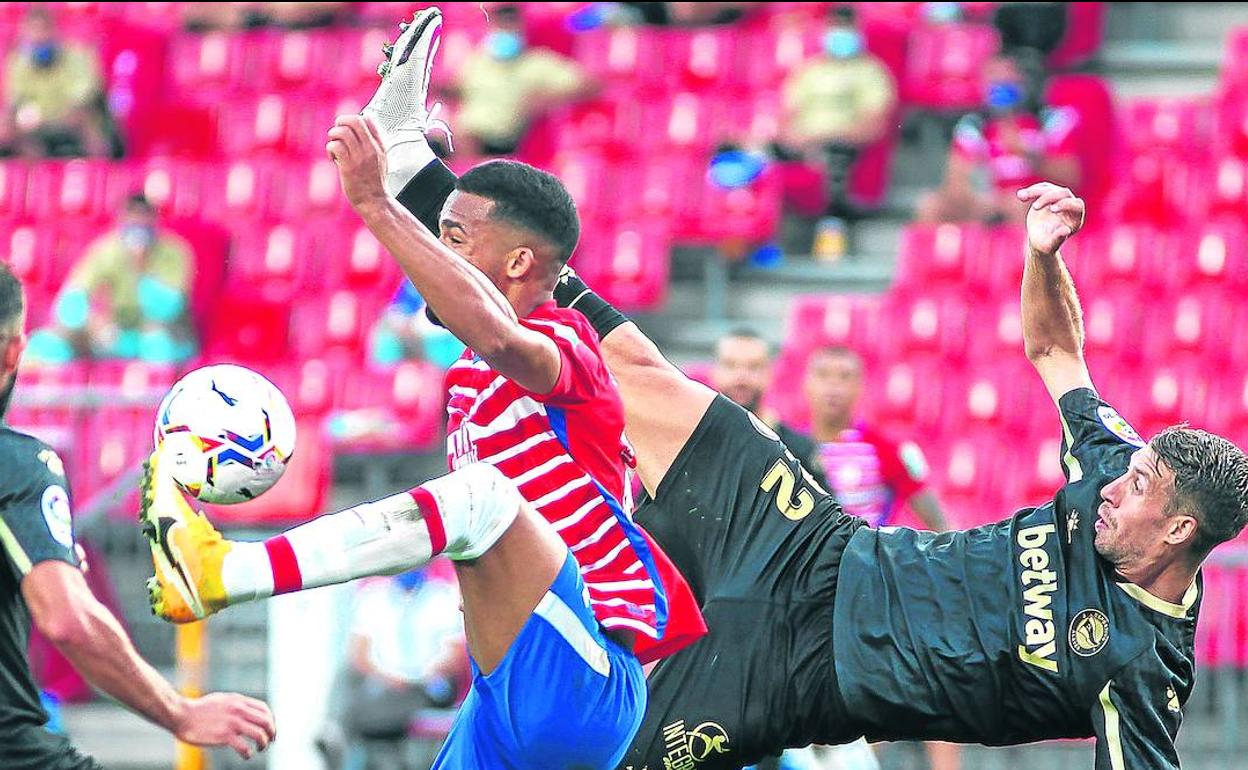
<point x="462" y="514"/>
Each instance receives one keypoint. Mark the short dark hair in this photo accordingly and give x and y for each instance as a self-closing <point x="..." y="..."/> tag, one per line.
<point x="12" y="301"/>
<point x="529" y="198"/>
<point x="138" y="200"/>
<point x="843" y="14"/>
<point x="1210" y="483"/>
<point x="745" y="333"/>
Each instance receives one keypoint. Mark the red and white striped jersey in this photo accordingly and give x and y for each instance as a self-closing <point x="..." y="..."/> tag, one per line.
<point x="566" y="452"/>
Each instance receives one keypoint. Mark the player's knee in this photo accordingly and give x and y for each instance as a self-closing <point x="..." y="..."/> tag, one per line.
<point x="477" y="504"/>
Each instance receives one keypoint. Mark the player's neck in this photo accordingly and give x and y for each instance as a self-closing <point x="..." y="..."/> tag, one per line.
<point x="525" y="299"/>
<point x="1169" y="582"/>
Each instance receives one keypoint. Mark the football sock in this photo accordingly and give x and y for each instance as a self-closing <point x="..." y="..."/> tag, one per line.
<point x="462" y="514"/>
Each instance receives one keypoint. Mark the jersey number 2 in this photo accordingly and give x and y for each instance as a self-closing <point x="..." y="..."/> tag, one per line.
<point x="793" y="507"/>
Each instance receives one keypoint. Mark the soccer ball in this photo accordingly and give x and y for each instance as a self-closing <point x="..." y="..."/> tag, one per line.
<point x="227" y="432"/>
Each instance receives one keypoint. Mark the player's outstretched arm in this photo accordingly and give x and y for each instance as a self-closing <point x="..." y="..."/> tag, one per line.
<point x="1052" y="317"/>
<point x="65" y="611"/>
<point x="464" y="299"/>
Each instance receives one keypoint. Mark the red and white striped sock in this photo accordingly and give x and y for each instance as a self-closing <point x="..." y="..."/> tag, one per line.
<point x="384" y="537"/>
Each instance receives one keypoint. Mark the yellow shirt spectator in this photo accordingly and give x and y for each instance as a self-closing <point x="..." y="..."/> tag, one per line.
<point x="498" y="95"/>
<point x="112" y="270"/>
<point x="828" y="98"/>
<point x="38" y="95"/>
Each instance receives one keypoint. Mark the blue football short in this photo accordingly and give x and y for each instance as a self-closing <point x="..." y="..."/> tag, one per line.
<point x="565" y="697"/>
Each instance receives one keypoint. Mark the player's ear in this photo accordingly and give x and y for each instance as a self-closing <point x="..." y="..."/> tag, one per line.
<point x="1181" y="529"/>
<point x="12" y="353"/>
<point x="520" y="262"/>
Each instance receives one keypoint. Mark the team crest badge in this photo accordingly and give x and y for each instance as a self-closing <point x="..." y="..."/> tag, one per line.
<point x="1115" y="424"/>
<point x="1089" y="632"/>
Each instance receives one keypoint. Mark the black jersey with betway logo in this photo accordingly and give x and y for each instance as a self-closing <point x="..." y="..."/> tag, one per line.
<point x="35" y="526"/>
<point x="1018" y="631"/>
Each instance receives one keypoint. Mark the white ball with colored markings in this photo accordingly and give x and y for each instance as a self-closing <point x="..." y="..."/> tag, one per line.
<point x="227" y="433"/>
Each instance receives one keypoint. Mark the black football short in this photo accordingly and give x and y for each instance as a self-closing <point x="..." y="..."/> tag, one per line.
<point x="760" y="544"/>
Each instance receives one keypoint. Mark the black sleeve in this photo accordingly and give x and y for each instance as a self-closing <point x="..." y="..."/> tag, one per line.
<point x="35" y="522"/>
<point x="1095" y="438"/>
<point x="1136" y="718"/>
<point x="425" y="194"/>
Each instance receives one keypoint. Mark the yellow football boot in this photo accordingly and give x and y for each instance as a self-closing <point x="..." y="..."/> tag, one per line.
<point x="187" y="550"/>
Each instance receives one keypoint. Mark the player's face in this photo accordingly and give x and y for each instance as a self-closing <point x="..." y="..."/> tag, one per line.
<point x="833" y="385"/>
<point x="742" y="370"/>
<point x="489" y="245"/>
<point x="1132" y="522"/>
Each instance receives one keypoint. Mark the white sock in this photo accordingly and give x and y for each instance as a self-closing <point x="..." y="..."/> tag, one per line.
<point x="463" y="513"/>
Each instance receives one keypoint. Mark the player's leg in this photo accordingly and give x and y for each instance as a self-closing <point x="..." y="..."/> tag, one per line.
<point x="507" y="554"/>
<point x="662" y="406"/>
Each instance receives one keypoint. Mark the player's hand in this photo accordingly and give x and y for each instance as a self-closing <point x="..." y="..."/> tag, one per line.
<point x="227" y="719"/>
<point x="355" y="145"/>
<point x="1054" y="215"/>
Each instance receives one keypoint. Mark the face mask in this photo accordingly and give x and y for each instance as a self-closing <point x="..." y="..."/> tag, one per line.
<point x="137" y="237"/>
<point x="942" y="13"/>
<point x="504" y="45"/>
<point x="42" y="55"/>
<point x="1004" y="96"/>
<point x="841" y="43"/>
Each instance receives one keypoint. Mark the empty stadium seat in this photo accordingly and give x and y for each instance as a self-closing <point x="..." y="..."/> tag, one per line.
<point x="628" y="263"/>
<point x="944" y="64"/>
<point x="844" y="320"/>
<point x="279" y="261"/>
<point x="943" y="256"/>
<point x="1174" y="125"/>
<point x="924" y="325"/>
<point x="966" y="476"/>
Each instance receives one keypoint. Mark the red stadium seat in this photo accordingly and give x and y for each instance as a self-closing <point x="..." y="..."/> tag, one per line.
<point x="1213" y="254"/>
<point x="944" y="256"/>
<point x="211" y="61"/>
<point x="966" y="477"/>
<point x="1232" y="124"/>
<point x="665" y="189"/>
<point x="1177" y="126"/>
<point x="61" y="190"/>
<point x="27" y="250"/>
<point x="337" y="322"/>
<point x="627" y="263"/>
<point x="590" y="181"/>
<point x="845" y="320"/>
<point x="1226" y="185"/>
<point x="261" y="124"/>
<point x="248" y="327"/>
<point x="906" y="396"/>
<point x="13" y="176"/>
<point x="925" y="326"/>
<point x="632" y="55"/>
<point x="1036" y="475"/>
<point x="702" y="59"/>
<point x="750" y="213"/>
<point x="355" y="260"/>
<point x="944" y="64"/>
<point x="244" y="190"/>
<point x="361" y="55"/>
<point x="1168" y="396"/>
<point x="312" y="190"/>
<point x="1198" y="325"/>
<point x="279" y="261"/>
<point x="304" y="59"/>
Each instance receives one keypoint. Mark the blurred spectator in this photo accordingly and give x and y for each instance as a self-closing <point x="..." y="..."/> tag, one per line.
<point x="1013" y="143"/>
<point x="201" y="17"/>
<point x="54" y="105"/>
<point x="127" y="297"/>
<point x="406" y="653"/>
<point x="405" y="333"/>
<point x="871" y="476"/>
<point x="742" y="372"/>
<point x="837" y="104"/>
<point x="505" y="85"/>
